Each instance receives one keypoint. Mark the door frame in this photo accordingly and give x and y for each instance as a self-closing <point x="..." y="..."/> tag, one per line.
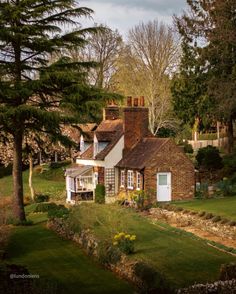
<point x="169" y="183"/>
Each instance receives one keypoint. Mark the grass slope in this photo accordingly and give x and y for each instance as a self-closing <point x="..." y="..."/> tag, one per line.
<point x="61" y="262"/>
<point x="225" y="207"/>
<point x="50" y="182"/>
<point x="183" y="258"/>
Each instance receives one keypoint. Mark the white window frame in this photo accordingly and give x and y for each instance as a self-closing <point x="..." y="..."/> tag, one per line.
<point x="122" y="178"/>
<point x="130" y="179"/>
<point x="138" y="180"/>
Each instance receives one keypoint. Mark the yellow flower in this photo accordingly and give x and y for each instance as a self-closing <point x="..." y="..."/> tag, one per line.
<point x="127" y="236"/>
<point x="115" y="243"/>
<point x="121" y="234"/>
<point x="116" y="237"/>
<point x="133" y="237"/>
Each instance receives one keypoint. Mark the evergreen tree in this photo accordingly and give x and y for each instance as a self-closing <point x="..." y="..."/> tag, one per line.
<point x="210" y="28"/>
<point x="34" y="94"/>
<point x="191" y="102"/>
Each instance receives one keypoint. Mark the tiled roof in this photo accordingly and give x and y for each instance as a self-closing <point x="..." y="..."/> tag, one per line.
<point x="137" y="157"/>
<point x="74" y="132"/>
<point x="75" y="172"/>
<point x="110" y="126"/>
<point x="108" y="131"/>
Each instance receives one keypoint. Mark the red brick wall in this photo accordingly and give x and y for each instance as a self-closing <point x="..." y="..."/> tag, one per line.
<point x="170" y="158"/>
<point x="135" y="125"/>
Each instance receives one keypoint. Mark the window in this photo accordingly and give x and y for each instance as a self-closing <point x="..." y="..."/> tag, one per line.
<point x="130" y="179"/>
<point x="138" y="181"/>
<point x="162" y="180"/>
<point x="122" y="178"/>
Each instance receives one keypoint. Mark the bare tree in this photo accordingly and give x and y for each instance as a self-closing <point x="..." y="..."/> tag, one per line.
<point x="145" y="67"/>
<point x="103" y="48"/>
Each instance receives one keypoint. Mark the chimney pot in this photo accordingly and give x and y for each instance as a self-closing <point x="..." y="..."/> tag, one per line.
<point x="129" y="101"/>
<point x="135" y="102"/>
<point x="142" y="102"/>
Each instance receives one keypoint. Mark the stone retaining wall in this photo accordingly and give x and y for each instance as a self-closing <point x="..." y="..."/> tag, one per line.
<point x="124" y="267"/>
<point x="187" y="219"/>
<point x="222" y="287"/>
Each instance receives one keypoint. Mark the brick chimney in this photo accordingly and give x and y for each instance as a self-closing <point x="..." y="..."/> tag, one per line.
<point x="135" y="122"/>
<point x="111" y="112"/>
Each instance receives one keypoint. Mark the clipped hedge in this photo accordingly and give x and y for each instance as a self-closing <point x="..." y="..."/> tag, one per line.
<point x="100" y="194"/>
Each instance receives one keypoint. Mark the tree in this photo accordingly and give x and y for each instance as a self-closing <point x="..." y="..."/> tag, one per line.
<point x="34" y="94"/>
<point x="144" y="68"/>
<point x="191" y="102"/>
<point x="210" y="28"/>
<point x="103" y="48"/>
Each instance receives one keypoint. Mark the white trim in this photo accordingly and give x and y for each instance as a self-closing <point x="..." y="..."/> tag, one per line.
<point x="164" y="191"/>
<point x="90" y="162"/>
<point x="130" y="179"/>
<point x="122" y="178"/>
<point x="138" y="181"/>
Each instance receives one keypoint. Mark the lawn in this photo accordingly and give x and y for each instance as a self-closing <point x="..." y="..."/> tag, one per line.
<point x="181" y="257"/>
<point x="225" y="207"/>
<point x="60" y="264"/>
<point x="50" y="182"/>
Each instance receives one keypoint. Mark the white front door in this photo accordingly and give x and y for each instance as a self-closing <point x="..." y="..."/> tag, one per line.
<point x="164" y="187"/>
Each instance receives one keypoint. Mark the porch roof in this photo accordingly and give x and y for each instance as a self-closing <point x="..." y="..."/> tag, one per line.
<point x="78" y="171"/>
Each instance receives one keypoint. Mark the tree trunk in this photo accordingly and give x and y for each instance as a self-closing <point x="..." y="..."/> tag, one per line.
<point x="230" y="134"/>
<point x="18" y="205"/>
<point x="32" y="193"/>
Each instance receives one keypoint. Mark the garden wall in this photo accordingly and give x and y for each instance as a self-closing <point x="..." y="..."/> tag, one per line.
<point x="187" y="219"/>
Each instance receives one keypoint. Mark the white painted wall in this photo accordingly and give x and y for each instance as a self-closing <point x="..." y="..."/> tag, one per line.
<point x="115" y="155"/>
<point x="90" y="162"/>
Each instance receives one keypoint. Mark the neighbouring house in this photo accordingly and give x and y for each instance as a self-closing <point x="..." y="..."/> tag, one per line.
<point x="122" y="154"/>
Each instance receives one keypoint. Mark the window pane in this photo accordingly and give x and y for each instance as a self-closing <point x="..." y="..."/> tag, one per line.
<point x="162" y="180"/>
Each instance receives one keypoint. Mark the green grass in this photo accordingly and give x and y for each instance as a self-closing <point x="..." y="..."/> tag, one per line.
<point x="60" y="262"/>
<point x="181" y="257"/>
<point x="225" y="207"/>
<point x="50" y="182"/>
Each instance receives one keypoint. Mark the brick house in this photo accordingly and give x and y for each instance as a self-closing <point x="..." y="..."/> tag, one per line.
<point x="122" y="154"/>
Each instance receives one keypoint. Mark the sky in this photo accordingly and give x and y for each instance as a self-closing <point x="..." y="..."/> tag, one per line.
<point x="125" y="14"/>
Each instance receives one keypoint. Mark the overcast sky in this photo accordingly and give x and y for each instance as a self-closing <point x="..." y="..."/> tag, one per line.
<point x="124" y="14"/>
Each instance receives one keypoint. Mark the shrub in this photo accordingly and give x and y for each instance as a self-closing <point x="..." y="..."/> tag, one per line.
<point x="152" y="281"/>
<point x="44" y="207"/>
<point x="188" y="148"/>
<point x="216" y="219"/>
<point x="139" y="198"/>
<point x="41" y="198"/>
<point x="201" y="191"/>
<point x="193" y="213"/>
<point x="229" y="162"/>
<point x="201" y="213"/>
<point x="186" y="211"/>
<point x="208" y="216"/>
<point x="224" y="221"/>
<point x="231" y="223"/>
<point x="100" y="194"/>
<point x="209" y="158"/>
<point x="59" y="211"/>
<point x="124" y="242"/>
<point x="225" y="187"/>
<point x="228" y="271"/>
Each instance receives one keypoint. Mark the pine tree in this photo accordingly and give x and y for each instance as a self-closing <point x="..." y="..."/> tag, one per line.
<point x="210" y="28"/>
<point x="191" y="102"/>
<point x="36" y="95"/>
